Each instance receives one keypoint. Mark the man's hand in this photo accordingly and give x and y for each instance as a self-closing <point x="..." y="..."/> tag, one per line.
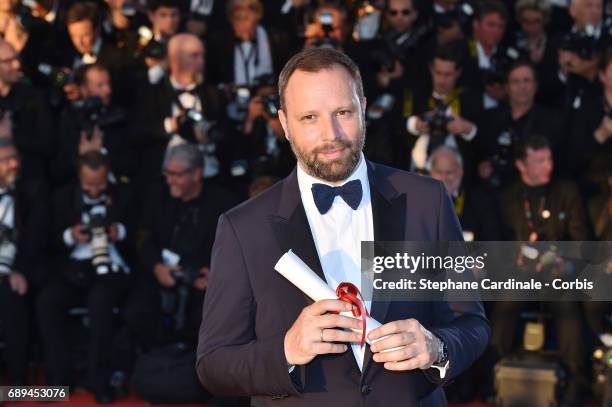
<point x="418" y="346"/>
<point x="202" y="282"/>
<point x="79" y="234"/>
<point x="485" y="169"/>
<point x="458" y="125"/>
<point x="422" y="127"/>
<point x="303" y="339"/>
<point x="72" y="91"/>
<point x="91" y="144"/>
<point x="113" y="232"/>
<point x="384" y="77"/>
<point x="18" y="283"/>
<point x="163" y="274"/>
<point x="604" y="132"/>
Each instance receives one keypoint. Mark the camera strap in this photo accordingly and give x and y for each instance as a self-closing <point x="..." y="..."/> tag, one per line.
<point x="246" y="59"/>
<point x="542" y="212"/>
<point x="7" y="204"/>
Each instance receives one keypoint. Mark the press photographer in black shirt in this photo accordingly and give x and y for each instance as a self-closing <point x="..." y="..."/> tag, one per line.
<point x="24" y="116"/>
<point x="540" y="208"/>
<point x="93" y="123"/>
<point x="506" y="126"/>
<point x="23" y="253"/>
<point x="174" y="246"/>
<point x="90" y="234"/>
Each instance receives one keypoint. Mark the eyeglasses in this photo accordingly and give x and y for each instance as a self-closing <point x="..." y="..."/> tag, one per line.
<point x="177" y="174"/>
<point x="405" y="12"/>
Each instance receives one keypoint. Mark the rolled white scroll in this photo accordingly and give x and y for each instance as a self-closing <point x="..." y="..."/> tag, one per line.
<point x="295" y="270"/>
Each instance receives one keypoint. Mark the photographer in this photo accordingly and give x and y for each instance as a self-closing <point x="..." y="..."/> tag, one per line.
<point x="88" y="46"/>
<point x="90" y="235"/>
<point x="181" y="108"/>
<point x="247" y="50"/>
<point x="487" y="57"/>
<point x="510" y="123"/>
<point x="174" y="244"/>
<point x="541" y="208"/>
<point x="23" y="252"/>
<point x="399" y="52"/>
<point x="589" y="143"/>
<point x="93" y="123"/>
<point x="24" y="117"/>
<point x="442" y="113"/>
<point x="269" y="152"/>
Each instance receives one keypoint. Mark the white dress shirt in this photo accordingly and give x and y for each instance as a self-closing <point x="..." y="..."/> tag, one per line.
<point x="339" y="232"/>
<point x="252" y="59"/>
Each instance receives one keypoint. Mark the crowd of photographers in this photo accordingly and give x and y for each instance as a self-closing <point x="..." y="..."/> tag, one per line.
<point x="128" y="126"/>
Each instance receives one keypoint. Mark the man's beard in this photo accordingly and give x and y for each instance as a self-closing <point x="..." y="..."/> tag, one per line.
<point x="335" y="170"/>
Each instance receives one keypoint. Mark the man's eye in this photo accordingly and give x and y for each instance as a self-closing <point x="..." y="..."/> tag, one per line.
<point x="308" y="117"/>
<point x="344" y="113"/>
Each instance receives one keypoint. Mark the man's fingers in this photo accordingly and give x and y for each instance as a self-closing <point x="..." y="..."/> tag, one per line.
<point x="339" y="321"/>
<point x="393" y="341"/>
<point x="410" y="364"/>
<point x="323" y="306"/>
<point x="322" y="348"/>
<point x="403" y="353"/>
<point x="337" y="335"/>
<point x="393" y="327"/>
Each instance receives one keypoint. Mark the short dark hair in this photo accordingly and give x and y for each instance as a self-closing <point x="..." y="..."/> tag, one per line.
<point x="522" y="63"/>
<point x="80" y="74"/>
<point x="93" y="160"/>
<point x="534" y="142"/>
<point x="84" y="11"/>
<point x="486" y="7"/>
<point x="315" y="60"/>
<point x="449" y="52"/>
<point x="154" y="5"/>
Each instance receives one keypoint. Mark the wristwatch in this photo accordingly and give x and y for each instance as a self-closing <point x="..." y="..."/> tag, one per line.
<point x="442" y="353"/>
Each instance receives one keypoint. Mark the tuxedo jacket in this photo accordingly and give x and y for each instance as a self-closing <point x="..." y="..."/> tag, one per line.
<point x="249" y="307"/>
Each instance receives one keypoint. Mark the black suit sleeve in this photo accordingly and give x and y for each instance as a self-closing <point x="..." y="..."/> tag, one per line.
<point x="461" y="325"/>
<point x="231" y="359"/>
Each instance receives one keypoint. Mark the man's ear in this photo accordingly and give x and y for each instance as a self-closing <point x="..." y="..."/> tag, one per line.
<point x="282" y="117"/>
<point x="520" y="165"/>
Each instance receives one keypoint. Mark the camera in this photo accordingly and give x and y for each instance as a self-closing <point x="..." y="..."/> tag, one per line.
<point x="326" y="20"/>
<point x="92" y="112"/>
<point x="271" y="104"/>
<point x="437" y="120"/>
<point x="57" y="76"/>
<point x="8" y="249"/>
<point x="155" y="50"/>
<point x="186" y="276"/>
<point x="500" y="63"/>
<point x="459" y="15"/>
<point x="397" y="46"/>
<point x="97" y="227"/>
<point x="583" y="43"/>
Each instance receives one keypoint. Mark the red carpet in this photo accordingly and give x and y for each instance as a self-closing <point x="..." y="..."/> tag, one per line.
<point x="84" y="399"/>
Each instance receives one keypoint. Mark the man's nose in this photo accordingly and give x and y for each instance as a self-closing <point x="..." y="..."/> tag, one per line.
<point x="331" y="130"/>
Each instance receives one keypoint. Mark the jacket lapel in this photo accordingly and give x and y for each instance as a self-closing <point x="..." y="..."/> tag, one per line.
<point x="291" y="228"/>
<point x="389" y="218"/>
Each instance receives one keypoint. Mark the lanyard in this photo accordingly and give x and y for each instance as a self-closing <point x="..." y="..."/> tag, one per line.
<point x="529" y="217"/>
<point x="246" y="60"/>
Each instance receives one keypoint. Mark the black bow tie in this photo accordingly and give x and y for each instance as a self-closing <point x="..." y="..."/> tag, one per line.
<point x="324" y="195"/>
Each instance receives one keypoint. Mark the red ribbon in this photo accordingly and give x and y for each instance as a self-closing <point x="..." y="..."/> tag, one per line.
<point x="349" y="293"/>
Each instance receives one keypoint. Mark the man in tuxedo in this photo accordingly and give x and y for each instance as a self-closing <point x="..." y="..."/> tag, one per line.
<point x="90" y="235"/>
<point x="23" y="249"/>
<point x="165" y="116"/>
<point x="260" y="336"/>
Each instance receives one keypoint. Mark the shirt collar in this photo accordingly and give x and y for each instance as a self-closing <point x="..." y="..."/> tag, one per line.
<point x="178" y="86"/>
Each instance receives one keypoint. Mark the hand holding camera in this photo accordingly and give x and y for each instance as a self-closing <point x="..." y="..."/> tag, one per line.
<point x="163" y="274"/>
<point x="604" y="131"/>
<point x="79" y="233"/>
<point x="458" y="125"/>
<point x="93" y="143"/>
<point x="202" y="282"/>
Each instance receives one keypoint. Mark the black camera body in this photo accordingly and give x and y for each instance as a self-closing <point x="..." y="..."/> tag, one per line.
<point x="92" y="112"/>
<point x="438" y="119"/>
<point x="398" y="46"/>
<point x="186" y="276"/>
<point x="57" y="76"/>
<point x="580" y="43"/>
<point x="500" y="63"/>
<point x="155" y="50"/>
